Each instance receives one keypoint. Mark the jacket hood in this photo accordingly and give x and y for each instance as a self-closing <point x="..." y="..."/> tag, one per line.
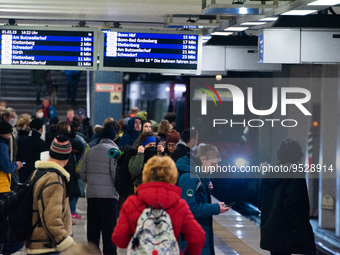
<point x="181" y="143"/>
<point x="187" y="163"/>
<point x="98" y="129"/>
<point x="159" y="192"/>
<point x="50" y="164"/>
<point x="131" y="128"/>
<point x="106" y="140"/>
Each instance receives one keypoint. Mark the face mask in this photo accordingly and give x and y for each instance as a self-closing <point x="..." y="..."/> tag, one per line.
<point x="12" y="122"/>
<point x="149" y="152"/>
<point x="40" y="115"/>
<point x="194" y="148"/>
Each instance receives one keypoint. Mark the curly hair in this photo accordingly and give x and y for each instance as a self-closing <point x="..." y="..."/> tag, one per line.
<point x="290" y="151"/>
<point x="24" y="122"/>
<point x="142" y="137"/>
<point x="160" y="169"/>
<point x="164" y="127"/>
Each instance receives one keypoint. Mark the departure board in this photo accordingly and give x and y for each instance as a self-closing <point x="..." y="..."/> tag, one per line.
<point x="48" y="48"/>
<point x="152" y="51"/>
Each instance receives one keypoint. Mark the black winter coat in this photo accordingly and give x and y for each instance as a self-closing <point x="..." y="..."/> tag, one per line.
<point x="71" y="165"/>
<point x="86" y="129"/>
<point x="29" y="149"/>
<point x="285" y="223"/>
<point x="180" y="152"/>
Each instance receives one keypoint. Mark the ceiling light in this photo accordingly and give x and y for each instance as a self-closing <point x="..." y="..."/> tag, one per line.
<point x="253" y="23"/>
<point x="243" y="10"/>
<point x="269" y="19"/>
<point x="299" y="12"/>
<point x="325" y="2"/>
<point x="222" y="33"/>
<point x="237" y="29"/>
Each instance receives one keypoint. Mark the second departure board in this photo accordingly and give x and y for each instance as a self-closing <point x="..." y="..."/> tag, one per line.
<point x="48" y="48"/>
<point x="151" y="51"/>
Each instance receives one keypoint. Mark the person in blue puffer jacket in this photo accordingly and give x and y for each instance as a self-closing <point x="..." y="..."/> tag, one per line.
<point x="196" y="187"/>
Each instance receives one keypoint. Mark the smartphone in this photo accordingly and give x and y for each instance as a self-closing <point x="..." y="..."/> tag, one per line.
<point x="230" y="205"/>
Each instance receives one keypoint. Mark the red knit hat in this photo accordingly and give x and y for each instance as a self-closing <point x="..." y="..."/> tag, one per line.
<point x="173" y="137"/>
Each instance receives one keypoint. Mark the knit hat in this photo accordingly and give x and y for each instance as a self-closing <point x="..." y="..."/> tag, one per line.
<point x="154" y="125"/>
<point x="5" y="127"/>
<point x="109" y="132"/>
<point x="54" y="120"/>
<point x="60" y="148"/>
<point x="142" y="114"/>
<point x="173" y="137"/>
<point x="149" y="139"/>
<point x="36" y="124"/>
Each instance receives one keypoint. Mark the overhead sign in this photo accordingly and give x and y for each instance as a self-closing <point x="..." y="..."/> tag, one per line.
<point x="109" y="87"/>
<point x="152" y="51"/>
<point x="47" y="48"/>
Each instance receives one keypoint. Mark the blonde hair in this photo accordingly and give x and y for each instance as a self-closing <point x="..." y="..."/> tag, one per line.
<point x="24" y="122"/>
<point x="164" y="127"/>
<point x="108" y="120"/>
<point x="208" y="150"/>
<point x="160" y="169"/>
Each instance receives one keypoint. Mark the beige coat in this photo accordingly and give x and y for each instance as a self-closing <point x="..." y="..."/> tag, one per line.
<point x="51" y="207"/>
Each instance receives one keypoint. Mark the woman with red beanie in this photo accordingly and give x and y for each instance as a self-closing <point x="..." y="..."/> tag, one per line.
<point x="172" y="139"/>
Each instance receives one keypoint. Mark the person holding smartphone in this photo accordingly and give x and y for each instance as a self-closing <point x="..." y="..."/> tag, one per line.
<point x="196" y="189"/>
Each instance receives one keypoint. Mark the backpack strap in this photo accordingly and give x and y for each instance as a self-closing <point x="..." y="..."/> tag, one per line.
<point x="199" y="182"/>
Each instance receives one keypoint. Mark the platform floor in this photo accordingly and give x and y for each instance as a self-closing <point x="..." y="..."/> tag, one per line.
<point x="234" y="234"/>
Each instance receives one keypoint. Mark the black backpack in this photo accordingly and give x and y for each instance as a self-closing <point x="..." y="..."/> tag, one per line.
<point x="16" y="210"/>
<point x="123" y="181"/>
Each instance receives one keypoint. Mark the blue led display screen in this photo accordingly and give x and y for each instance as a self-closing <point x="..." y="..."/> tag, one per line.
<point x="36" y="48"/>
<point x="151" y="50"/>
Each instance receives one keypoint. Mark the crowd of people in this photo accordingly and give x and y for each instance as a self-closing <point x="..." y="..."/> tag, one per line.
<point x="163" y="177"/>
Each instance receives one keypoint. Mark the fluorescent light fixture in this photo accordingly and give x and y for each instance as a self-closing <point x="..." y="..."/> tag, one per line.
<point x="325" y="2"/>
<point x="237" y="29"/>
<point x="253" y="23"/>
<point x="299" y="12"/>
<point x="222" y="33"/>
<point x="269" y="19"/>
<point x="243" y="10"/>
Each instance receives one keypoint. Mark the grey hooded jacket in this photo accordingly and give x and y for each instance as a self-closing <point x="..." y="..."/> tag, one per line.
<point x="98" y="170"/>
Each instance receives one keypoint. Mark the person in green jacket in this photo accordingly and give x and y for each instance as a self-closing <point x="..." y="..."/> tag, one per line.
<point x="145" y="151"/>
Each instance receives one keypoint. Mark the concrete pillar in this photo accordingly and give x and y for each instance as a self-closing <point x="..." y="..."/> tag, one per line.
<point x="313" y="178"/>
<point x="101" y="108"/>
<point x="330" y="89"/>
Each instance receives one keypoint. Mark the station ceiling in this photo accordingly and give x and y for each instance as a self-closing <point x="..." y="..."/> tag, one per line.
<point x="212" y="15"/>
